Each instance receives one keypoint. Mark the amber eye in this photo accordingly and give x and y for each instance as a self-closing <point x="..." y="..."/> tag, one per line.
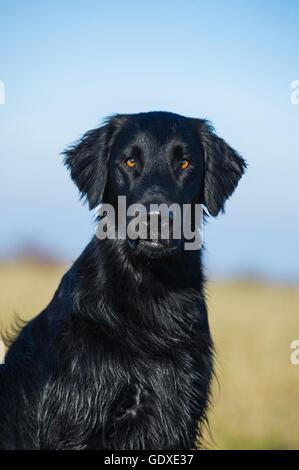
<point x="184" y="164"/>
<point x="131" y="162"/>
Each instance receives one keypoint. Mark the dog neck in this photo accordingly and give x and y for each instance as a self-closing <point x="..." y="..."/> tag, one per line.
<point x="148" y="295"/>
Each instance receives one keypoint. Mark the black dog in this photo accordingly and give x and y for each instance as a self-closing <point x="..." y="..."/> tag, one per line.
<point x="122" y="356"/>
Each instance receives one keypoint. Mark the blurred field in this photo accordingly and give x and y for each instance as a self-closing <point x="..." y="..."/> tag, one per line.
<point x="256" y="400"/>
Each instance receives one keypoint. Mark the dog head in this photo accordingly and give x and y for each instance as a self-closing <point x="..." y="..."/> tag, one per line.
<point x="155" y="158"/>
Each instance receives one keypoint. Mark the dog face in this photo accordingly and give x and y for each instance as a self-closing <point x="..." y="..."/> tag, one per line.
<point x="155" y="158"/>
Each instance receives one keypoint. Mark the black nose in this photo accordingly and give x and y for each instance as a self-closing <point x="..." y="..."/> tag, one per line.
<point x="159" y="226"/>
<point x="155" y="229"/>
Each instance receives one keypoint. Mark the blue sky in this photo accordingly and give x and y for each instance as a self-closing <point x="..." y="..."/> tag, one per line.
<point x="68" y="64"/>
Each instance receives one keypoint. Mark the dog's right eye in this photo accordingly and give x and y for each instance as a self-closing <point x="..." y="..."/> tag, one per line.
<point x="130" y="162"/>
<point x="184" y="163"/>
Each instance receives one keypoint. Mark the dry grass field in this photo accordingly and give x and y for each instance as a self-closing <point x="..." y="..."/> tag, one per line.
<point x="256" y="399"/>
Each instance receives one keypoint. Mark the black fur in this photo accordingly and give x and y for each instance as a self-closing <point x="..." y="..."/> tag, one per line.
<point x="122" y="356"/>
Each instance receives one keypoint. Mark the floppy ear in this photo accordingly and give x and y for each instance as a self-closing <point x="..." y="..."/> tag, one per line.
<point x="88" y="159"/>
<point x="223" y="167"/>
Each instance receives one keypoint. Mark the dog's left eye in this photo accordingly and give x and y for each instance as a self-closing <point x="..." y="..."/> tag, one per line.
<point x="184" y="163"/>
<point x="131" y="162"/>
